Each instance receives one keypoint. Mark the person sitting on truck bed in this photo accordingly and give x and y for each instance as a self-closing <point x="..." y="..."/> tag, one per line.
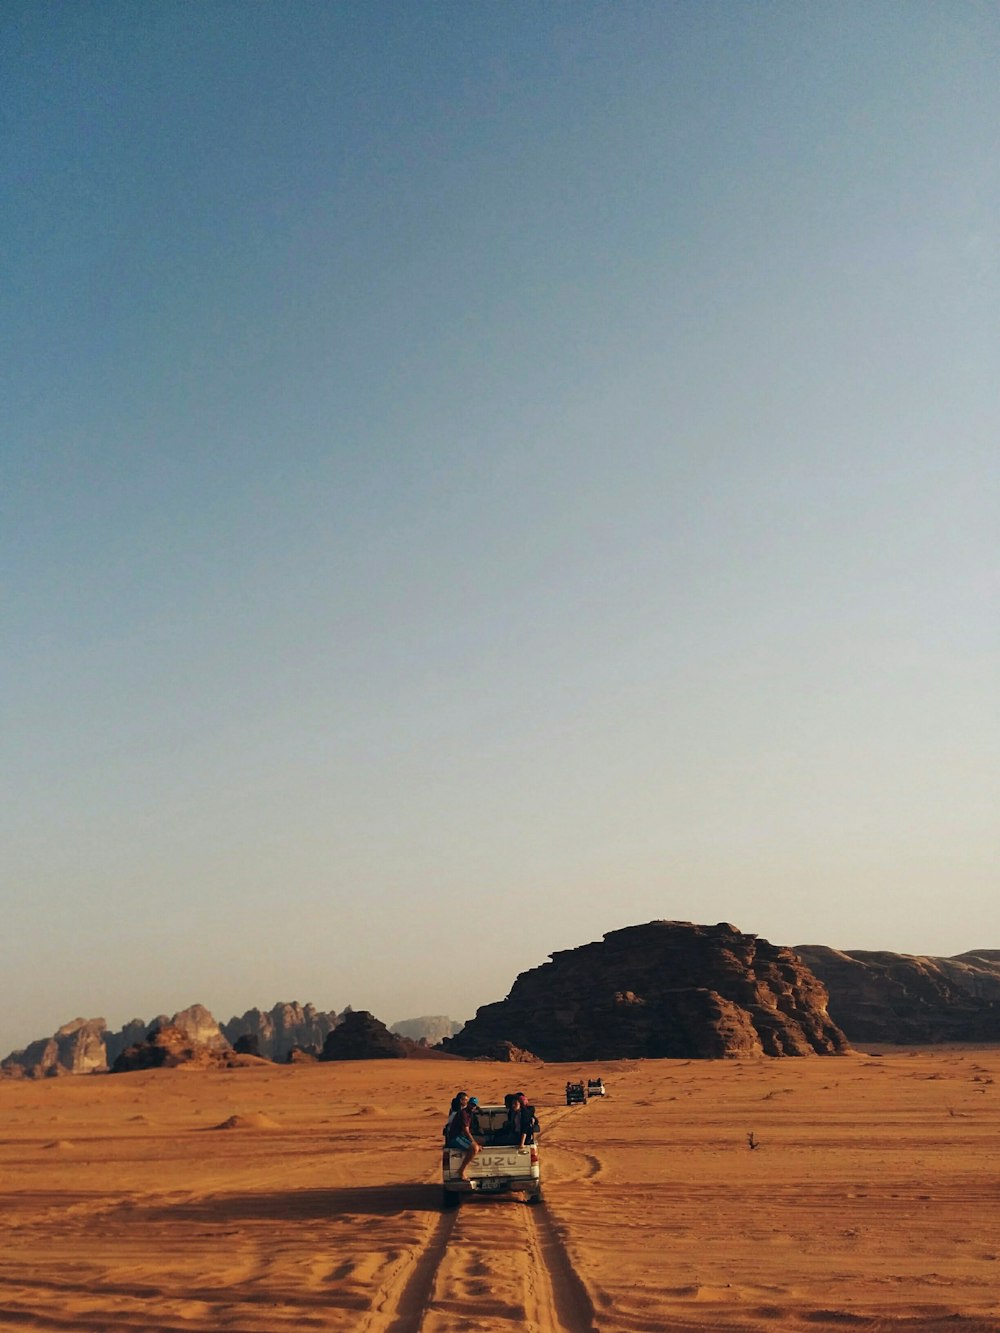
<point x="511" y="1132"/>
<point x="507" y="1133"/>
<point x="523" y="1124"/>
<point x="460" y="1134"/>
<point x="453" y="1109"/>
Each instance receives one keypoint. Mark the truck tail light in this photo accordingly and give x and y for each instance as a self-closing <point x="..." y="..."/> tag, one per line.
<point x="445" y="1159"/>
<point x="534" y="1157"/>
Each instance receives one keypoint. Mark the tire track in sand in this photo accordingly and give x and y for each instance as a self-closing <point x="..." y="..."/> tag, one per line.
<point x="566" y="1300"/>
<point x="497" y="1260"/>
<point x="494" y="1263"/>
<point x="403" y="1295"/>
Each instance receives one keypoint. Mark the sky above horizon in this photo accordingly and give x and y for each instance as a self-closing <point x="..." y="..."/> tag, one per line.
<point x="476" y="477"/>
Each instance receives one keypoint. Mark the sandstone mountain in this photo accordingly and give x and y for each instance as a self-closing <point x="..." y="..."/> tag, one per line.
<point x="87" y="1046"/>
<point x="286" y="1027"/>
<point x="431" y="1028"/>
<point x="198" y="1025"/>
<point x="171" y="1045"/>
<point x="76" y="1048"/>
<point x="665" y="989"/>
<point x="908" y="999"/>
<point x="134" y="1031"/>
<point x="362" y="1037"/>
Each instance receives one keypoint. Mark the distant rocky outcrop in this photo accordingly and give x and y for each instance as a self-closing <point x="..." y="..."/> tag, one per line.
<point x="506" y="1052"/>
<point x="665" y="989"/>
<point x="76" y="1048"/>
<point x="909" y="999"/>
<point x="143" y="1046"/>
<point x="361" y="1036"/>
<point x="86" y="1046"/>
<point x="279" y="1030"/>
<point x="200" y="1028"/>
<point x="116" y="1042"/>
<point x="302" y="1055"/>
<point x="431" y="1028"/>
<point x="169" y="1046"/>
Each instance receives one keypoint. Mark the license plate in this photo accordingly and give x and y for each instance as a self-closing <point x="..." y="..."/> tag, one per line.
<point x="489" y="1184"/>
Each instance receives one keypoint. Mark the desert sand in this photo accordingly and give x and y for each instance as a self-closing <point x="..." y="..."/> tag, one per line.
<point x="266" y="1198"/>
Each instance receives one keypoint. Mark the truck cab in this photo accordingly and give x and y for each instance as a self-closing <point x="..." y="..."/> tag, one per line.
<point x="500" y="1167"/>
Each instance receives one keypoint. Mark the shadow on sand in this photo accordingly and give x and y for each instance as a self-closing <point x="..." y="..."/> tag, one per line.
<point x="300" y="1205"/>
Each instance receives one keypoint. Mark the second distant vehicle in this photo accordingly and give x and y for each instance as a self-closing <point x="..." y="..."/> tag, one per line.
<point x="595" y="1087"/>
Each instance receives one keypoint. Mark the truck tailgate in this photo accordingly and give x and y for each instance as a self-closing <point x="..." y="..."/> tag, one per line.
<point x="496" y="1162"/>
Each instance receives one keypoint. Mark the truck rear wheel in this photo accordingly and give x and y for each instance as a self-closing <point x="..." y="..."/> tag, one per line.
<point x="535" y="1196"/>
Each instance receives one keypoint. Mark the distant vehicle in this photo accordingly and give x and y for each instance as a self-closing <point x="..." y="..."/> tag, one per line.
<point x="595" y="1087"/>
<point x="575" y="1092"/>
<point x="498" y="1167"/>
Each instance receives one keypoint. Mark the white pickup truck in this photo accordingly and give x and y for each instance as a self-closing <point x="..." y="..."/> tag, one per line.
<point x="498" y="1167"/>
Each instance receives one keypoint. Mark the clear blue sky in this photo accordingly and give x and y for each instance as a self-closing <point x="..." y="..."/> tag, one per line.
<point x="477" y="476"/>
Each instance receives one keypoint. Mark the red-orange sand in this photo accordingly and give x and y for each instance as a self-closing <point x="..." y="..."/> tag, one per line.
<point x="266" y="1199"/>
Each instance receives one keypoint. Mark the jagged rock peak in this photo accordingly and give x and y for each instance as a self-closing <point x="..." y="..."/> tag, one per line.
<point x="168" y="1046"/>
<point x="663" y="989"/>
<point x="283" y="1028"/>
<point x="86" y="1046"/>
<point x="75" y="1048"/>
<point x="199" y="1027"/>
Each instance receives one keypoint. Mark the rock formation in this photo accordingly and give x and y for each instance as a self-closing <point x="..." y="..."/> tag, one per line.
<point x="282" y="1028"/>
<point x="86" y="1046"/>
<point x="191" y="1036"/>
<point x="506" y="1052"/>
<point x="169" y="1046"/>
<point x="362" y="1037"/>
<point x="908" y="999"/>
<point x="302" y="1055"/>
<point x="431" y="1028"/>
<point x="116" y="1042"/>
<point x="665" y="989"/>
<point x="199" y="1027"/>
<point x="76" y="1048"/>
